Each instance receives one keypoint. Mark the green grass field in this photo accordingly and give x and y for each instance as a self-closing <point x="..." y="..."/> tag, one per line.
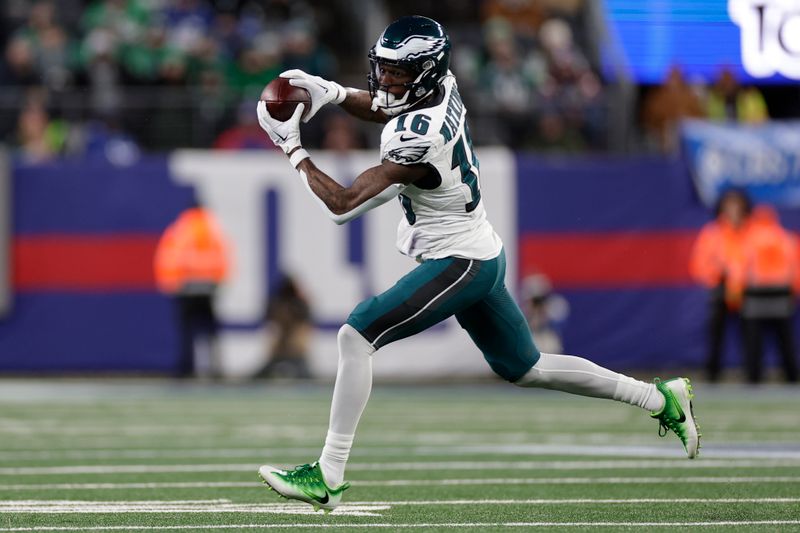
<point x="153" y="455"/>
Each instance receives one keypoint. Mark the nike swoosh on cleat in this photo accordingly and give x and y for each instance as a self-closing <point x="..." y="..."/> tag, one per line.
<point x="320" y="499"/>
<point x="682" y="419"/>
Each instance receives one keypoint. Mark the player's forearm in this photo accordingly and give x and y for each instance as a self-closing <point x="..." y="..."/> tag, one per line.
<point x="333" y="195"/>
<point x="342" y="204"/>
<point x="359" y="104"/>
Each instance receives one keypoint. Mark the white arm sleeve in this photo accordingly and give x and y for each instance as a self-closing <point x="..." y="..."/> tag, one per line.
<point x="379" y="199"/>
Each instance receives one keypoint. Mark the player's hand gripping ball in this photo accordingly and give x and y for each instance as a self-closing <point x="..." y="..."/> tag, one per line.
<point x="282" y="98"/>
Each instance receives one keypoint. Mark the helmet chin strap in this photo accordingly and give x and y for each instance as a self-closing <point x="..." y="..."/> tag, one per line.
<point x="389" y="103"/>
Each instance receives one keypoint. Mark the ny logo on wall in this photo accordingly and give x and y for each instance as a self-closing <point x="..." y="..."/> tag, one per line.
<point x="770" y="36"/>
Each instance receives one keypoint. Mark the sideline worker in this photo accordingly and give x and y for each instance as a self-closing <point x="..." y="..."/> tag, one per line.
<point x="769" y="281"/>
<point x="190" y="263"/>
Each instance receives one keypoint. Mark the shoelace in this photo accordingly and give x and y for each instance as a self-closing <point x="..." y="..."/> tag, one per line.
<point x="303" y="474"/>
<point x="665" y="427"/>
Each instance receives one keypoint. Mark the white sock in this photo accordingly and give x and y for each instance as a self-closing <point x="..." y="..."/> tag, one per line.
<point x="580" y="376"/>
<point x="350" y="395"/>
<point x="334" y="457"/>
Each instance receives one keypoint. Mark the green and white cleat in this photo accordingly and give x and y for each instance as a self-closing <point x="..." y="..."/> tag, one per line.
<point x="304" y="483"/>
<point x="677" y="414"/>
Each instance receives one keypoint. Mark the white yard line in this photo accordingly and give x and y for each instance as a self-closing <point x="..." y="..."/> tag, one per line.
<point x="225" y="504"/>
<point x="752" y="450"/>
<point x="404" y="466"/>
<point x="575" y="501"/>
<point x="165" y="507"/>
<point x="128" y="486"/>
<point x="579" y="481"/>
<point x="572" y="465"/>
<point x="449" y="525"/>
<point x="372" y="509"/>
<point x="788" y="450"/>
<point x="413" y="482"/>
<point x="122" y="469"/>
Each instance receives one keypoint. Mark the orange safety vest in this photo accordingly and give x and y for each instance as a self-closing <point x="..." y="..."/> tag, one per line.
<point x="717" y="254"/>
<point x="191" y="250"/>
<point x="771" y="257"/>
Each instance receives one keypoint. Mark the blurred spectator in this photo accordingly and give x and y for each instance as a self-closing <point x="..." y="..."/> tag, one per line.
<point x="666" y="106"/>
<point x="770" y="280"/>
<point x="103" y="138"/>
<point x="255" y="67"/>
<point x="213" y="103"/>
<point x="191" y="261"/>
<point x="508" y="84"/>
<point x="571" y="94"/>
<point x="102" y="72"/>
<point x="125" y="20"/>
<point x="38" y="137"/>
<point x="289" y="314"/>
<point x="19" y="67"/>
<point x="546" y="312"/>
<point x="717" y="263"/>
<point x="141" y="59"/>
<point x="187" y="23"/>
<point x="48" y="44"/>
<point x="524" y="15"/>
<point x="302" y="50"/>
<point x="171" y="126"/>
<point x="225" y="33"/>
<point x="341" y="134"/>
<point x="727" y="100"/>
<point x="246" y="134"/>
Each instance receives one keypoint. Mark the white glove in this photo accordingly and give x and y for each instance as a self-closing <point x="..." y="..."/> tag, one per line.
<point x="321" y="90"/>
<point x="285" y="135"/>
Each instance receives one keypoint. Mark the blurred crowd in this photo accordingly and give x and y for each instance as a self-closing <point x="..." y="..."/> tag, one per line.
<point x="156" y="73"/>
<point x="115" y="77"/>
<point x="526" y="75"/>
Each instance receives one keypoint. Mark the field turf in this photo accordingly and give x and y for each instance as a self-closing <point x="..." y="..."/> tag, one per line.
<point x="160" y="456"/>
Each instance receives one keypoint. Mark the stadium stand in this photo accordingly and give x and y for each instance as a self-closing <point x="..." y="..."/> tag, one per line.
<point x="163" y="74"/>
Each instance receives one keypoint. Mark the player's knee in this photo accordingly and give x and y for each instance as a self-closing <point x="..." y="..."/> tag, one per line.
<point x="352" y="343"/>
<point x="538" y="375"/>
<point x="511" y="361"/>
<point x="512" y="366"/>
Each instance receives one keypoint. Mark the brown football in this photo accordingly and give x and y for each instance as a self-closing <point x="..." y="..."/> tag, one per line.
<point x="282" y="98"/>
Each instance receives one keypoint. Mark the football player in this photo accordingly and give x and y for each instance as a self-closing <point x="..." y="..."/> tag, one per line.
<point x="428" y="163"/>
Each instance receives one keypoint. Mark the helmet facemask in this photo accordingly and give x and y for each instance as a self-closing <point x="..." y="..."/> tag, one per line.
<point x="386" y="101"/>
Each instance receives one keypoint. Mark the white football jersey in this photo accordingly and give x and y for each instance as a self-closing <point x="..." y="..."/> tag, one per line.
<point x="444" y="214"/>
